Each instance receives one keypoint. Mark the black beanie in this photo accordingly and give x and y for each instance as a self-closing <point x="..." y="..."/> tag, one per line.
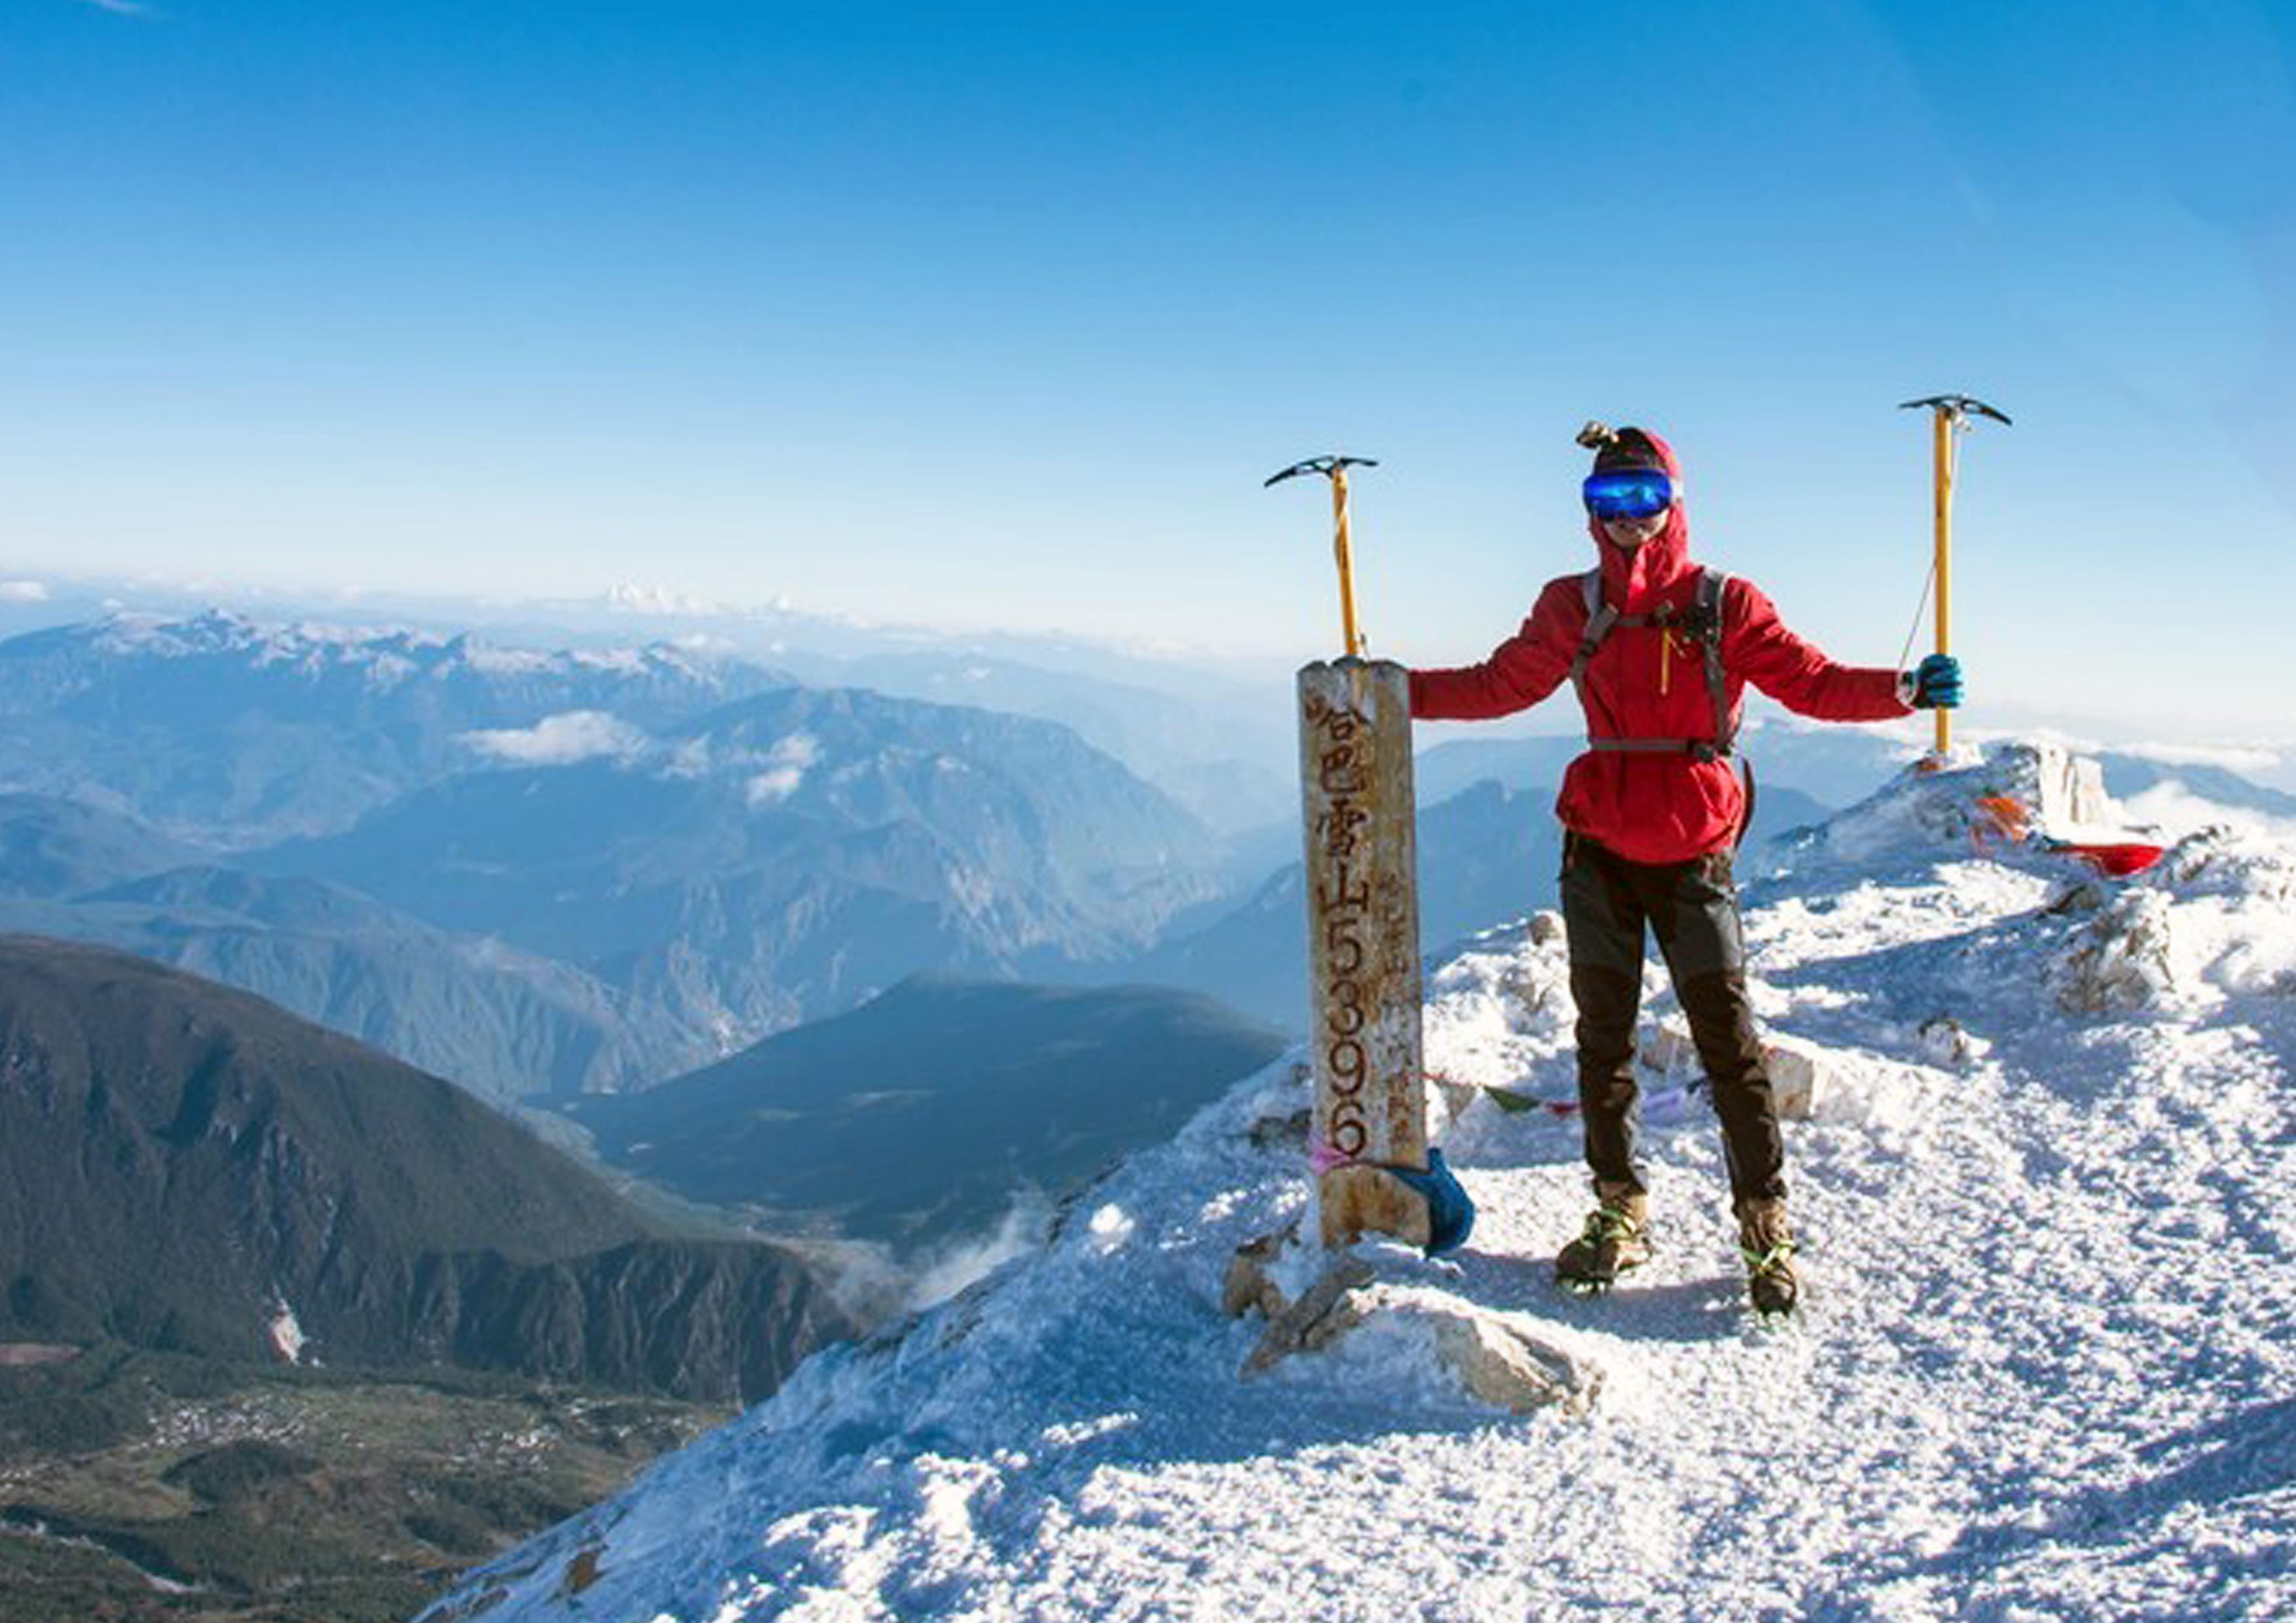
<point x="1618" y="448"/>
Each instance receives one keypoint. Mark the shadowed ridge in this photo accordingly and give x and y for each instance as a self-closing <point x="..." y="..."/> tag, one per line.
<point x="184" y="1164"/>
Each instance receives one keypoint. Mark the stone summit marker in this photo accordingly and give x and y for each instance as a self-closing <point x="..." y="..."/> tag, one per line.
<point x="1359" y="822"/>
<point x="1362" y="949"/>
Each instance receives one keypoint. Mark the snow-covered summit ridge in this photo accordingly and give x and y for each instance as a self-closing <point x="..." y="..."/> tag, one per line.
<point x="2042" y="1372"/>
<point x="2210" y="920"/>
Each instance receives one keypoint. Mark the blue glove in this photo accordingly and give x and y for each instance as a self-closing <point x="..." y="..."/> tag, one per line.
<point x="1937" y="683"/>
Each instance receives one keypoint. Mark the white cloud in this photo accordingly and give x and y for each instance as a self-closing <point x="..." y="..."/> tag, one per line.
<point x="561" y="740"/>
<point x="119" y="8"/>
<point x="2177" y="811"/>
<point x="691" y="758"/>
<point x="1022" y="1230"/>
<point x="632" y="597"/>
<point x="23" y="592"/>
<point x="2232" y="758"/>
<point x="785" y="769"/>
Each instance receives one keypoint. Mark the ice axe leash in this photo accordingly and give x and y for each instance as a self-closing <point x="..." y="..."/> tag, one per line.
<point x="1949" y="415"/>
<point x="1335" y="468"/>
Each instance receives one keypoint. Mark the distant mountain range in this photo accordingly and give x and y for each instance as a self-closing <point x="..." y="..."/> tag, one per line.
<point x="787" y="856"/>
<point x="185" y="1167"/>
<point x="913" y="1119"/>
<point x="547" y="873"/>
<point x="1227" y="760"/>
<point x="2128" y="776"/>
<point x="543" y="874"/>
<point x="1214" y="735"/>
<point x="502" y="1022"/>
<point x="231" y="733"/>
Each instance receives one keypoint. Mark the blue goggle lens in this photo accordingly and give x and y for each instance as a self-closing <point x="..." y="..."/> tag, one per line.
<point x="1628" y="493"/>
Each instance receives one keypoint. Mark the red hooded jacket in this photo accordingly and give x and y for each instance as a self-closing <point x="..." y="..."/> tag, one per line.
<point x="1646" y="682"/>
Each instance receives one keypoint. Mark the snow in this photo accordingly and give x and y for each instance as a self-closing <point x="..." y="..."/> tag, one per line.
<point x="387" y="656"/>
<point x="508" y="661"/>
<point x="614" y="661"/>
<point x="2044" y="1369"/>
<point x="286" y="1332"/>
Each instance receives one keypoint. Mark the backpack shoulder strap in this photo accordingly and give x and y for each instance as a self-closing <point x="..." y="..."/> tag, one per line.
<point x="1599" y="618"/>
<point x="1704" y="622"/>
<point x="1710" y="588"/>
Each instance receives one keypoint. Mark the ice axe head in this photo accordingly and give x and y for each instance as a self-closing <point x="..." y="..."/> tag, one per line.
<point x="1328" y="466"/>
<point x="1959" y="408"/>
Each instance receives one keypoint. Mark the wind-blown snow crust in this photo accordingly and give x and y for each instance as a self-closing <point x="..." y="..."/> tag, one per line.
<point x="2044" y="1370"/>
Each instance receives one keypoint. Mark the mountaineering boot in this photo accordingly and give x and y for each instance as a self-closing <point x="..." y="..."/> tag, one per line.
<point x="1616" y="1238"/>
<point x="1768" y="1244"/>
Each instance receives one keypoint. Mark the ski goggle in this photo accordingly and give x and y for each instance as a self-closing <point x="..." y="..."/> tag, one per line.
<point x="1630" y="493"/>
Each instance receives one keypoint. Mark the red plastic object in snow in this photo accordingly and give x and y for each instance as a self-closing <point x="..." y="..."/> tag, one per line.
<point x="2004" y="818"/>
<point x="2117" y="861"/>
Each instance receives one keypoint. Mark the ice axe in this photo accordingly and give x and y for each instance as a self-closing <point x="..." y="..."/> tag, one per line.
<point x="1335" y="468"/>
<point x="1367" y="1121"/>
<point x="1950" y="415"/>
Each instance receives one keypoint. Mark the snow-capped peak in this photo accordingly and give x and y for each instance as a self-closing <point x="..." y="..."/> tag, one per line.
<point x="388" y="654"/>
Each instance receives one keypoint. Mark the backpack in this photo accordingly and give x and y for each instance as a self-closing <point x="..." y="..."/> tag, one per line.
<point x="1701" y="623"/>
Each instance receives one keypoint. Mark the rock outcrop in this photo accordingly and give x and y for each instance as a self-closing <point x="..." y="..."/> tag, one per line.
<point x="1495" y="1357"/>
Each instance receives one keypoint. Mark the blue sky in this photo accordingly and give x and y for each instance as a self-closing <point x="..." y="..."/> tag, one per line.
<point x="992" y="314"/>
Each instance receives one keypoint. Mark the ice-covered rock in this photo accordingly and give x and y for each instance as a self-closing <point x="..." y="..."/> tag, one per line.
<point x="1494" y="1356"/>
<point x="2212" y="919"/>
<point x="1801" y="1072"/>
<point x="1946" y="1041"/>
<point x="2120" y="960"/>
<point x="1981" y="799"/>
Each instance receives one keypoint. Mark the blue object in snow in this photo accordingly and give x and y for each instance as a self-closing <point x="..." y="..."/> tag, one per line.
<point x="1450" y="1211"/>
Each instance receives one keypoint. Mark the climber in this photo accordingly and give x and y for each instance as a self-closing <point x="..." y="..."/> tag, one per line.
<point x="1660" y="652"/>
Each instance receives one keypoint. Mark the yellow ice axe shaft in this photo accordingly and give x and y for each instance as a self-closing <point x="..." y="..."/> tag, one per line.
<point x="1335" y="468"/>
<point x="1344" y="549"/>
<point x="1950" y="415"/>
<point x="1945" y="424"/>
